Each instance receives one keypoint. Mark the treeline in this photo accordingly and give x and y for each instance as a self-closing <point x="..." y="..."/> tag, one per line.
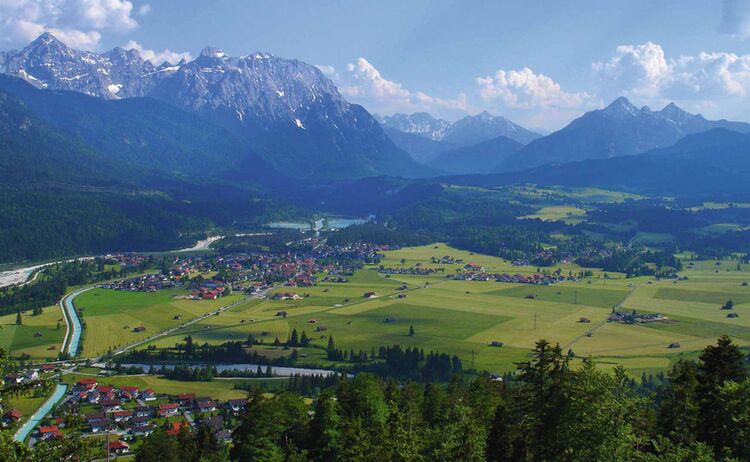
<point x="396" y="362"/>
<point x="634" y="262"/>
<point x="546" y="411"/>
<point x="228" y="352"/>
<point x="53" y="281"/>
<point x="387" y="361"/>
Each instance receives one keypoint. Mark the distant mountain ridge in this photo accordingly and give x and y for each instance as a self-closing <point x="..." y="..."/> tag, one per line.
<point x="287" y="110"/>
<point x="483" y="157"/>
<point x="711" y="163"/>
<point x="418" y="123"/>
<point x="467" y="131"/>
<point x="620" y="129"/>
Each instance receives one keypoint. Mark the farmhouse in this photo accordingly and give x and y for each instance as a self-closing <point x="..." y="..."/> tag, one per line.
<point x="369" y="295"/>
<point x="122" y="416"/>
<point x="50" y="432"/>
<point x="118" y="447"/>
<point x="390" y="319"/>
<point x="584" y="320"/>
<point x="286" y="296"/>
<point x="495" y="343"/>
<point x="169" y="409"/>
<point x="236" y="405"/>
<point x="674" y="345"/>
<point x="110" y="405"/>
<point x="139" y="329"/>
<point x="12" y="416"/>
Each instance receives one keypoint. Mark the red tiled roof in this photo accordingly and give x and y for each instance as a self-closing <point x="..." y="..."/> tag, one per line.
<point x="118" y="445"/>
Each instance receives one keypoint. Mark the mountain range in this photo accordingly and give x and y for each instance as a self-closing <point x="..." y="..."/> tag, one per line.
<point x="249" y="119"/>
<point x="620" y="129"/>
<point x="287" y="111"/>
<point x="472" y="144"/>
<point x="714" y="163"/>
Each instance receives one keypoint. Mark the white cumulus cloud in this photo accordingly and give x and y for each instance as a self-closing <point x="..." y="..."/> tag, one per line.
<point x="362" y="82"/>
<point x="157" y="57"/>
<point x="78" y="23"/>
<point x="640" y="70"/>
<point x="525" y="89"/>
<point x="645" y="71"/>
<point x="531" y="98"/>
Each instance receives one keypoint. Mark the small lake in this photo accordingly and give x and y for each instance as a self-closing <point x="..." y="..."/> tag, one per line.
<point x="320" y="223"/>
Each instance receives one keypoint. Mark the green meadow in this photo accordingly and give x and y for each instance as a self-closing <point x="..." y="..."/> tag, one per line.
<point x="221" y="389"/>
<point x="464" y="317"/>
<point x="111" y="316"/>
<point x="38" y="336"/>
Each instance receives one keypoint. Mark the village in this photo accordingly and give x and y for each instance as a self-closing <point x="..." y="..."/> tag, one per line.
<point x="475" y="272"/>
<point x="126" y="414"/>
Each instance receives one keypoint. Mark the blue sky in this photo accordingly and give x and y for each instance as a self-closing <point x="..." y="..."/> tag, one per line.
<point x="540" y="63"/>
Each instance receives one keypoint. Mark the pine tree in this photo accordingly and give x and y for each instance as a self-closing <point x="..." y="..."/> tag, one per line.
<point x="304" y="340"/>
<point x="331" y="349"/>
<point x="294" y="340"/>
<point x="718" y="364"/>
<point x="411" y="331"/>
<point x="19" y="321"/>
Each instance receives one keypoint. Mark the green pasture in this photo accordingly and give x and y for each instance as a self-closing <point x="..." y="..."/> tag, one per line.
<point x="217" y="389"/>
<point x="38" y="336"/>
<point x="110" y="316"/>
<point x="464" y="317"/>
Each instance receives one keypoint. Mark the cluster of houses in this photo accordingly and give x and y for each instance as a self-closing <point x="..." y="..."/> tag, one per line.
<point x="127" y="260"/>
<point x="446" y="260"/>
<point x="544" y="279"/>
<point x="146" y="283"/>
<point x="416" y="270"/>
<point x="137" y="412"/>
<point x="28" y="375"/>
<point x="634" y="318"/>
<point x="207" y="290"/>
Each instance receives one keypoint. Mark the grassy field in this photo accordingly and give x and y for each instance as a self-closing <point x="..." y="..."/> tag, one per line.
<point x="220" y="389"/>
<point x="463" y="317"/>
<point x="111" y="316"/>
<point x="570" y="214"/>
<point x="38" y="336"/>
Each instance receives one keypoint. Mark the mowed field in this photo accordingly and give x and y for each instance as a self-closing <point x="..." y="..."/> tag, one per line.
<point x="464" y="317"/>
<point x="38" y="336"/>
<point x="221" y="389"/>
<point x="111" y="316"/>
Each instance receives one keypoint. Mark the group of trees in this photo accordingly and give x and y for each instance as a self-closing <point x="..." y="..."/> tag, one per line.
<point x="551" y="413"/>
<point x="634" y="262"/>
<point x="546" y="411"/>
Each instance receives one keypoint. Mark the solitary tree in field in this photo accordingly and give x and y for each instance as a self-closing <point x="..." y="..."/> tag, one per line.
<point x="411" y="331"/>
<point x="19" y="321"/>
<point x="294" y="340"/>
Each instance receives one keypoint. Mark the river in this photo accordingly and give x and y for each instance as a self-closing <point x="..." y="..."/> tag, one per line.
<point x="37" y="416"/>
